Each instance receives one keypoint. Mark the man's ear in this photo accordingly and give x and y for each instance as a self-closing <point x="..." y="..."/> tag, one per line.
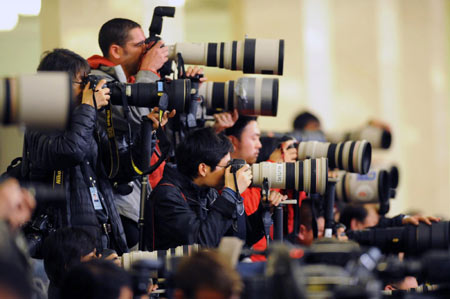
<point x="115" y="51"/>
<point x="202" y="169"/>
<point x="302" y="232"/>
<point x="234" y="141"/>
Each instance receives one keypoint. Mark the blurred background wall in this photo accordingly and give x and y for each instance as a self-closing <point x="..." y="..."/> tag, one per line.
<point x="347" y="61"/>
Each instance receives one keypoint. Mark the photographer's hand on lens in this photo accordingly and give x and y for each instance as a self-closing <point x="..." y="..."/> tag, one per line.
<point x="154" y="117"/>
<point x="243" y="177"/>
<point x="275" y="198"/>
<point x="191" y="72"/>
<point x="225" y="120"/>
<point x="101" y="95"/>
<point x="414" y="220"/>
<point x="16" y="203"/>
<point x="154" y="58"/>
<point x="284" y="153"/>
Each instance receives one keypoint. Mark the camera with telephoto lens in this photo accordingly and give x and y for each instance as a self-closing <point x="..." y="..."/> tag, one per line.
<point x="252" y="56"/>
<point x="148" y="94"/>
<point x="19" y="97"/>
<point x="373" y="187"/>
<point x="413" y="240"/>
<point x="378" y="137"/>
<point x="250" y="96"/>
<point x="310" y="175"/>
<point x="352" y="156"/>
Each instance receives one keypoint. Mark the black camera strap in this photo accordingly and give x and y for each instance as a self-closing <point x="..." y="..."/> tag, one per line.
<point x="112" y="143"/>
<point x="126" y="112"/>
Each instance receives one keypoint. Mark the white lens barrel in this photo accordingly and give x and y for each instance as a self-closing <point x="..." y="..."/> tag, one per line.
<point x="254" y="56"/>
<point x="41" y="100"/>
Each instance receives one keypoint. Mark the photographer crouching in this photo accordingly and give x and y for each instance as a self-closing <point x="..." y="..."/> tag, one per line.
<point x="186" y="207"/>
<point x="69" y="159"/>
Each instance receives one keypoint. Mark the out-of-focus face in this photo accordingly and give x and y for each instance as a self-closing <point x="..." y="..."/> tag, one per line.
<point x="307" y="236"/>
<point x="132" y="51"/>
<point x="247" y="147"/>
<point x="372" y="216"/>
<point x="90" y="256"/>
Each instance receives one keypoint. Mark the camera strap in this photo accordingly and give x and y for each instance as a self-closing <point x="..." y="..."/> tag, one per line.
<point x="112" y="143"/>
<point x="126" y="112"/>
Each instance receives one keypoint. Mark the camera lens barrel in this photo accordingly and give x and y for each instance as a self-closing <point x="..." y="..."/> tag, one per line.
<point x="148" y="94"/>
<point x="252" y="56"/>
<point x="352" y="156"/>
<point x="310" y="175"/>
<point x="18" y="97"/>
<point x="372" y="187"/>
<point x="251" y="96"/>
<point x="378" y="137"/>
<point x="410" y="239"/>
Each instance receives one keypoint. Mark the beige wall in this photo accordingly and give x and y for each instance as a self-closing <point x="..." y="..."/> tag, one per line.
<point x="348" y="61"/>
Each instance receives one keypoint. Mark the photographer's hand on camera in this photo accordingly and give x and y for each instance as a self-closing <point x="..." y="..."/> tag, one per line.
<point x="154" y="117"/>
<point x="101" y="95"/>
<point x="414" y="220"/>
<point x="243" y="177"/>
<point x="154" y="57"/>
<point x="275" y="198"/>
<point x="285" y="153"/>
<point x="16" y="204"/>
<point x="225" y="120"/>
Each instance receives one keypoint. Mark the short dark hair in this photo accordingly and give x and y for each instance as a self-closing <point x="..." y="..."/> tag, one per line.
<point x="239" y="126"/>
<point x="303" y="119"/>
<point x="350" y="212"/>
<point x="64" y="249"/>
<point x="207" y="270"/>
<point x="201" y="146"/>
<point x="64" y="60"/>
<point x="95" y="279"/>
<point x="115" y="31"/>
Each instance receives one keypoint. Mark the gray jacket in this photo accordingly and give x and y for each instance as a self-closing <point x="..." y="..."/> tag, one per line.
<point x="127" y="205"/>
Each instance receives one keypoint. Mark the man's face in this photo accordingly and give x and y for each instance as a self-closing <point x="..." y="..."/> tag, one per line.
<point x="132" y="51"/>
<point x="77" y="87"/>
<point x="216" y="178"/>
<point x="248" y="146"/>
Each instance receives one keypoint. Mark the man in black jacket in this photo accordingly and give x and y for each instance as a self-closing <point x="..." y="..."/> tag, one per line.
<point x="186" y="207"/>
<point x="69" y="159"/>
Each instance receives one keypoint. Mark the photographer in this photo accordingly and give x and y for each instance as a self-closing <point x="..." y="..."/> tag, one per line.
<point x="244" y="135"/>
<point x="206" y="274"/>
<point x="186" y="207"/>
<point x="69" y="159"/>
<point x="357" y="217"/>
<point x="64" y="249"/>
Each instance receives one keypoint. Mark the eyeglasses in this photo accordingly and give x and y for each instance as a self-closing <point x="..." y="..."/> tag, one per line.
<point x="228" y="164"/>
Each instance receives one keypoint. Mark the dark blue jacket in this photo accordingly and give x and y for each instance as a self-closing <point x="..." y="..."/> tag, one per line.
<point x="74" y="151"/>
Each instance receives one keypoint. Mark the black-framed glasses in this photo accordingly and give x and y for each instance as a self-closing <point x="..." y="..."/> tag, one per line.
<point x="225" y="166"/>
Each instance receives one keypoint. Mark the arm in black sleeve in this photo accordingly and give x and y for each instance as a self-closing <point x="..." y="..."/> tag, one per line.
<point x="177" y="221"/>
<point x="58" y="150"/>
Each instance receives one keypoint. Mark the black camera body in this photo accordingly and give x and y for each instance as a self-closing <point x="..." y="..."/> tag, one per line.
<point x="236" y="164"/>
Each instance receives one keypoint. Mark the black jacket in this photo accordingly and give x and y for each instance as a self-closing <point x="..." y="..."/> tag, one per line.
<point x="181" y="213"/>
<point x="74" y="151"/>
